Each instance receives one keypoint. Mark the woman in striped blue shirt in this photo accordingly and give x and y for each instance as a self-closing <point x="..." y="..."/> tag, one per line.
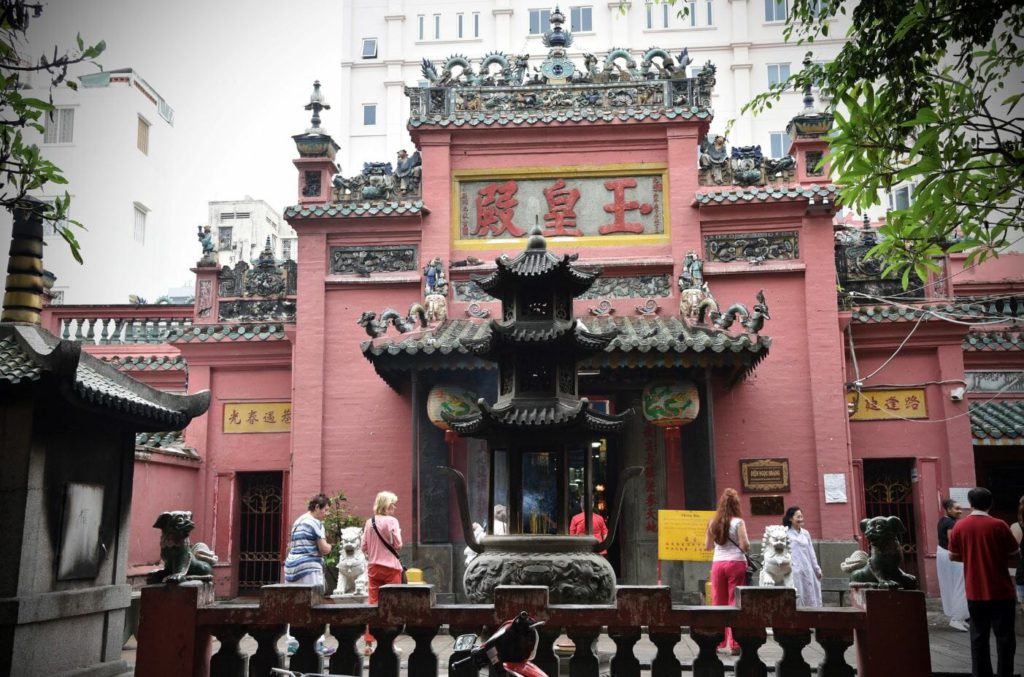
<point x="308" y="545"/>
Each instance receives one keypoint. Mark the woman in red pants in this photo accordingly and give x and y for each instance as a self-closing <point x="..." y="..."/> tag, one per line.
<point x="727" y="536"/>
<point x="382" y="539"/>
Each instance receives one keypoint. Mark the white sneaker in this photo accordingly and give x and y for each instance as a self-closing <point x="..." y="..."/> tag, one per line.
<point x="959" y="625"/>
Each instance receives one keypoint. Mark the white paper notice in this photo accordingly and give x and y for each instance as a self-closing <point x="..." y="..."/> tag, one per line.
<point x="959" y="494"/>
<point x="835" y="488"/>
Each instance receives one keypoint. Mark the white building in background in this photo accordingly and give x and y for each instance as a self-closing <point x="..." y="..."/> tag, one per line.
<point x="385" y="42"/>
<point x="113" y="140"/>
<point x="241" y="228"/>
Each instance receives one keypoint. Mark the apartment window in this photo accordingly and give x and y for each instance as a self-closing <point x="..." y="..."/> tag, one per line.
<point x="650" y="15"/>
<point x="460" y="21"/>
<point x="421" y="22"/>
<point x="224" y="237"/>
<point x="437" y="26"/>
<point x="581" y="19"/>
<point x="476" y="24"/>
<point x="286" y="249"/>
<point x="59" y="126"/>
<point x="902" y="197"/>
<point x="242" y="215"/>
<point x="774" y="10"/>
<point x="709" y="7"/>
<point x="143" y="136"/>
<point x="780" y="144"/>
<point x="777" y="72"/>
<point x="369" y="48"/>
<point x="140" y="223"/>
<point x="369" y="114"/>
<point x="540" y="20"/>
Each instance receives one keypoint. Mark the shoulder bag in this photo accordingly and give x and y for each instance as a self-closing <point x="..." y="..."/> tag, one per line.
<point x="391" y="549"/>
<point x="753" y="566"/>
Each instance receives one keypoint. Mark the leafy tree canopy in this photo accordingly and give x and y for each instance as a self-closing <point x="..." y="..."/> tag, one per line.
<point x="926" y="92"/>
<point x="23" y="170"/>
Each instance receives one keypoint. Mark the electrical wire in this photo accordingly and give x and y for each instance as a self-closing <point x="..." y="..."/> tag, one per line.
<point x="897" y="351"/>
<point x="991" y="319"/>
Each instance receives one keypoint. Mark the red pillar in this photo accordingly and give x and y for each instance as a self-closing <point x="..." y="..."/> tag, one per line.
<point x="170" y="641"/>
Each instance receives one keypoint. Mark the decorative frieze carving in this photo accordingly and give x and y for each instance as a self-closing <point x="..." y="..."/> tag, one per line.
<point x="755" y="247"/>
<point x="995" y="381"/>
<point x="635" y="286"/>
<point x="267" y="278"/>
<point x="257" y="310"/>
<point x="205" y="304"/>
<point x="373" y="259"/>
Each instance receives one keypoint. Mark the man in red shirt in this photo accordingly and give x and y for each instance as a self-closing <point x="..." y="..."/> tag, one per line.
<point x="987" y="548"/>
<point x="578" y="527"/>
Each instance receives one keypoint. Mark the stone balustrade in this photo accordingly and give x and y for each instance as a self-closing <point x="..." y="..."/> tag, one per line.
<point x="117" y="325"/>
<point x="179" y="623"/>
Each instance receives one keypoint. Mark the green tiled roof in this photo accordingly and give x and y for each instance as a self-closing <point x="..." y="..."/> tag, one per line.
<point x="147" y="362"/>
<point x="767" y="193"/>
<point x="998" y="422"/>
<point x="994" y="340"/>
<point x="958" y="310"/>
<point x="230" y="332"/>
<point x="489" y="119"/>
<point x="28" y="352"/>
<point x="641" y="342"/>
<point x="172" y="443"/>
<point x="357" y="209"/>
<point x="16" y="366"/>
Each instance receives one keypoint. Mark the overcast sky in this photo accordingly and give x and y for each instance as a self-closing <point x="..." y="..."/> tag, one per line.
<point x="236" y="73"/>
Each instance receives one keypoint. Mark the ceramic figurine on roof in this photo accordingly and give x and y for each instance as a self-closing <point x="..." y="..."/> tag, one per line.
<point x="408" y="170"/>
<point x="205" y="238"/>
<point x="714" y="161"/>
<point x="378" y="182"/>
<point x="695" y="301"/>
<point x="435" y="291"/>
<point x="746" y="165"/>
<point x="753" y="322"/>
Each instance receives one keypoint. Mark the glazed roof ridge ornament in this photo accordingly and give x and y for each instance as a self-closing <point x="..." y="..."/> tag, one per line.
<point x="316" y="104"/>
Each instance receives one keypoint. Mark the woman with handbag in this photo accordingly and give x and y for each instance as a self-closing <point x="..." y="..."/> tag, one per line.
<point x="382" y="538"/>
<point x="727" y="536"/>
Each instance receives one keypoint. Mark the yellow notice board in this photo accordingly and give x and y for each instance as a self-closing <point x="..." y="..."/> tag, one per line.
<point x="879" y="405"/>
<point x="257" y="417"/>
<point x="681" y="535"/>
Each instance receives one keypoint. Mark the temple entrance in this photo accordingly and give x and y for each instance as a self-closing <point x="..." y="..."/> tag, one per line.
<point x="888" y="491"/>
<point x="1001" y="470"/>
<point x="260" y="511"/>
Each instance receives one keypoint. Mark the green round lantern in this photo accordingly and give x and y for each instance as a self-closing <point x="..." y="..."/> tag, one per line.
<point x="671" y="404"/>
<point x="451" y="400"/>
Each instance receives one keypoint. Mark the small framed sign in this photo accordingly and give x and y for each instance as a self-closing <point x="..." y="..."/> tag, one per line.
<point x="767" y="505"/>
<point x="764" y="475"/>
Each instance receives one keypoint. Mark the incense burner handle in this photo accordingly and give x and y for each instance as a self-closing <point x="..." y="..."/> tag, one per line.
<point x="628" y="475"/>
<point x="462" y="496"/>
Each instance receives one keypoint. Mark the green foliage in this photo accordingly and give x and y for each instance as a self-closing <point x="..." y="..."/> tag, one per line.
<point x="338" y="517"/>
<point x="927" y="92"/>
<point x="23" y="171"/>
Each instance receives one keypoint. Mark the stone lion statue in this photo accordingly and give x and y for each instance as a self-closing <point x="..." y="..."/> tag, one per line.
<point x="882" y="567"/>
<point x="182" y="560"/>
<point x="352" y="578"/>
<point x="778" y="560"/>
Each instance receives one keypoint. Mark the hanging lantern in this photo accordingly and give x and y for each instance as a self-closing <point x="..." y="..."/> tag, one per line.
<point x="453" y="401"/>
<point x="671" y="404"/>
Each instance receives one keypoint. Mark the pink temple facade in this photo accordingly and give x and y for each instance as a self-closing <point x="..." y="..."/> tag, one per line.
<point x="308" y="398"/>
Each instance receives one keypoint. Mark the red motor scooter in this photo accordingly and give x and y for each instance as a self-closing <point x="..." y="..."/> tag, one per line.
<point x="509" y="651"/>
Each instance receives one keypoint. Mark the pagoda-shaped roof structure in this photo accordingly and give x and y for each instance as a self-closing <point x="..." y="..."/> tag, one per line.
<point x="537" y="344"/>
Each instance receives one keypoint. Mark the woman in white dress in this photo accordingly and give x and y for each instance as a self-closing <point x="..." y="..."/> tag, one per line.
<point x="806" y="572"/>
<point x="951" y="574"/>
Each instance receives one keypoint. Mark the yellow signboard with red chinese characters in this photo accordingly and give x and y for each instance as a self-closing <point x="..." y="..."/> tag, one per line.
<point x="681" y="535"/>
<point x="257" y="417"/>
<point x="881" y="405"/>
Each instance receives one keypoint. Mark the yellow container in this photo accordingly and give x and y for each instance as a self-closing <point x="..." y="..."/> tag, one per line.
<point x="707" y="592"/>
<point x="414" y="577"/>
